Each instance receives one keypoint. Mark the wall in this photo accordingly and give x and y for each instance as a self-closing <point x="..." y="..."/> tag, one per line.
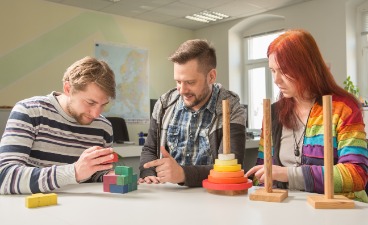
<point x="40" y="39"/>
<point x="325" y="19"/>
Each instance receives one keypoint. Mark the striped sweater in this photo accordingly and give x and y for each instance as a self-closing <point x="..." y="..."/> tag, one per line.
<point x="349" y="148"/>
<point x="41" y="143"/>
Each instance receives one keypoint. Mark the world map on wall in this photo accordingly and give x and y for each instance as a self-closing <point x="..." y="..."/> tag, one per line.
<point x="130" y="66"/>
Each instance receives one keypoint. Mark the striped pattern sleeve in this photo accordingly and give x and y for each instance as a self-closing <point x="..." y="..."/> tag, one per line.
<point x="350" y="149"/>
<point x="40" y="145"/>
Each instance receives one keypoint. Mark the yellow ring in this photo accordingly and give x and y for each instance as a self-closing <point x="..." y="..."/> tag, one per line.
<point x="226" y="162"/>
<point x="232" y="168"/>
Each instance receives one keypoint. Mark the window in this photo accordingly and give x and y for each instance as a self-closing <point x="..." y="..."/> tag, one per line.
<point x="258" y="78"/>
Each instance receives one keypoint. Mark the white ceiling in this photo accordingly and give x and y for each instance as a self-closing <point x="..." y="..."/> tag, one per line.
<point x="172" y="12"/>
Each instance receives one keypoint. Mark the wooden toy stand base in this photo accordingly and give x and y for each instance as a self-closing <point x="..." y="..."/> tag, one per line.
<point x="227" y="189"/>
<point x="337" y="202"/>
<point x="277" y="195"/>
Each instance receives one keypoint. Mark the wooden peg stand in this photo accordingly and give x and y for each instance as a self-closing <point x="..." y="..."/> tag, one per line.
<point x="267" y="193"/>
<point x="227" y="188"/>
<point x="328" y="200"/>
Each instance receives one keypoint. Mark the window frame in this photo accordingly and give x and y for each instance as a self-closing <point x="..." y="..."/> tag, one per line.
<point x="250" y="64"/>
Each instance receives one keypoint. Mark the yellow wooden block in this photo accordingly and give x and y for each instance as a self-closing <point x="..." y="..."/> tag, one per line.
<point x="232" y="168"/>
<point x="226" y="162"/>
<point x="40" y="199"/>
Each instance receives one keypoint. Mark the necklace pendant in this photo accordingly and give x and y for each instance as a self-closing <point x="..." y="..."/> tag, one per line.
<point x="296" y="151"/>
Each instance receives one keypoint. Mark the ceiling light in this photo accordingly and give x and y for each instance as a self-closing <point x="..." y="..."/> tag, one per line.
<point x="197" y="19"/>
<point x="207" y="16"/>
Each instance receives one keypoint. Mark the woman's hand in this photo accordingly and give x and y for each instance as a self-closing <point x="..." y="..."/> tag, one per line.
<point x="279" y="173"/>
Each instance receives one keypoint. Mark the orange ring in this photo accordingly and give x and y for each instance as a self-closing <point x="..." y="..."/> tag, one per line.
<point x="226" y="187"/>
<point x="239" y="173"/>
<point x="227" y="180"/>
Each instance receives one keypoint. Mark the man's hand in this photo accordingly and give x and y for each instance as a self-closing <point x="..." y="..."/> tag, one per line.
<point x="167" y="169"/>
<point x="279" y="173"/>
<point x="149" y="180"/>
<point x="92" y="160"/>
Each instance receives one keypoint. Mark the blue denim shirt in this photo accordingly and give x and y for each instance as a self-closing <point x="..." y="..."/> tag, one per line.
<point x="187" y="134"/>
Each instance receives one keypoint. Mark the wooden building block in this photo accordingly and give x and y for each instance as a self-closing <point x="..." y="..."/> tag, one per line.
<point x="230" y="162"/>
<point x="124" y="170"/>
<point x="134" y="178"/>
<point x="226" y="156"/>
<point x="239" y="173"/>
<point x="226" y="187"/>
<point x="121" y="189"/>
<point x="232" y="168"/>
<point x="110" y="178"/>
<point x="40" y="199"/>
<point x="115" y="159"/>
<point x="123" y="180"/>
<point x="227" y="180"/>
<point x="134" y="186"/>
<point x="228" y="192"/>
<point x="106" y="187"/>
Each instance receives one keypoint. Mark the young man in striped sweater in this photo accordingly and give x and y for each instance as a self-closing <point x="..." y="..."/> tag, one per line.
<point x="62" y="138"/>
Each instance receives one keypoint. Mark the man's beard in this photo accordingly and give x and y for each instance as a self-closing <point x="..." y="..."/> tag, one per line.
<point x="76" y="116"/>
<point x="198" y="100"/>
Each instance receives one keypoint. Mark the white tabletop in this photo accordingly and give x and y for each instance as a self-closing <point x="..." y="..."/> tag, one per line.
<point x="172" y="204"/>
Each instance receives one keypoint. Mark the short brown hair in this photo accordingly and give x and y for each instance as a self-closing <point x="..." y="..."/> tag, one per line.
<point x="90" y="70"/>
<point x="198" y="49"/>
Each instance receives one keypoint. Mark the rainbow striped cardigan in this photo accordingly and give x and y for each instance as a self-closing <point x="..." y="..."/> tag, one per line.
<point x="349" y="143"/>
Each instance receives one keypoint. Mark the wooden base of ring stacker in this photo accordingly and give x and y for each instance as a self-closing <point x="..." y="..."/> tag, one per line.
<point x="328" y="200"/>
<point x="227" y="177"/>
<point x="268" y="194"/>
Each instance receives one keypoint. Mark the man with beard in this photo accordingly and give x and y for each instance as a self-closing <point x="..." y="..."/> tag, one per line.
<point x="62" y="138"/>
<point x="186" y="123"/>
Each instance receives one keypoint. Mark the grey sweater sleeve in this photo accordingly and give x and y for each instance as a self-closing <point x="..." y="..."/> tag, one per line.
<point x="296" y="180"/>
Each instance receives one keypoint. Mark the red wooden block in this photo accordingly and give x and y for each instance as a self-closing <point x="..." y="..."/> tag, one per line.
<point x="106" y="187"/>
<point x="110" y="178"/>
<point x="115" y="159"/>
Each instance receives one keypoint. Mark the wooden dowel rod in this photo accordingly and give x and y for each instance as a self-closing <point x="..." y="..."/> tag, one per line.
<point x="267" y="144"/>
<point x="226" y="126"/>
<point x="328" y="147"/>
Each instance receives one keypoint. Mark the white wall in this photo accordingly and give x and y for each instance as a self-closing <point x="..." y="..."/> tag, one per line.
<point x="40" y="39"/>
<point x="326" y="20"/>
<point x="25" y="21"/>
<point x="4" y="115"/>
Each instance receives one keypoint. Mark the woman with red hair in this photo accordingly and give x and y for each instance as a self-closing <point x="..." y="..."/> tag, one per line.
<point x="303" y="77"/>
